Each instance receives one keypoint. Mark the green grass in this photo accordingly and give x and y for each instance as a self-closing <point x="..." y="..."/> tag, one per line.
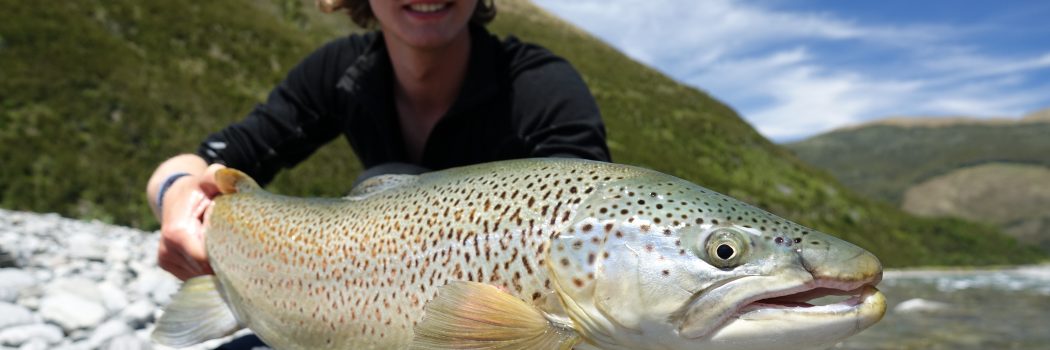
<point x="96" y="93"/>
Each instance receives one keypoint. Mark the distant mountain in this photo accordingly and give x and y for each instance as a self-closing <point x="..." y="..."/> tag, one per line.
<point x="1014" y="196"/>
<point x="995" y="171"/>
<point x="95" y="93"/>
<point x="1042" y="115"/>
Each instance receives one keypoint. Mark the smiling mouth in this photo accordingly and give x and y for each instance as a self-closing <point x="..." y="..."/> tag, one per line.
<point x="428" y="8"/>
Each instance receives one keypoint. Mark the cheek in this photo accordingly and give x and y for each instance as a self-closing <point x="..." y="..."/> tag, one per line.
<point x="467" y="6"/>
<point x="383" y="10"/>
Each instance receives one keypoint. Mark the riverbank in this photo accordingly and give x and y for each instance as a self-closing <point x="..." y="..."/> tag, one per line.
<point x="79" y="285"/>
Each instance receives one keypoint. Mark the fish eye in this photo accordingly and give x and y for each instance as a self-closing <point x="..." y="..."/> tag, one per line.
<point x="725" y="248"/>
<point x="725" y="252"/>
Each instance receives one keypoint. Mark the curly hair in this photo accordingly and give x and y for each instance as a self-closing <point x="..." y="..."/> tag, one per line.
<point x="361" y="12"/>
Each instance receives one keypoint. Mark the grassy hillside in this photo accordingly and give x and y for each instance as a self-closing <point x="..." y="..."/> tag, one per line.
<point x="1013" y="196"/>
<point x="883" y="160"/>
<point x="96" y="93"/>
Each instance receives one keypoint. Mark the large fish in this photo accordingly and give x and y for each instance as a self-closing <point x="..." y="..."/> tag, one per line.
<point x="525" y="254"/>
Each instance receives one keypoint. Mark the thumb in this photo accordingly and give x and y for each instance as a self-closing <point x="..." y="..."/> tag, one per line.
<point x="207" y="180"/>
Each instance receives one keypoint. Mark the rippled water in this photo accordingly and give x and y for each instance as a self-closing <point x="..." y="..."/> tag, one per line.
<point x="979" y="309"/>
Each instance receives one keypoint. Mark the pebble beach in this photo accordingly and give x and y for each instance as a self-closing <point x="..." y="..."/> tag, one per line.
<point x="69" y="284"/>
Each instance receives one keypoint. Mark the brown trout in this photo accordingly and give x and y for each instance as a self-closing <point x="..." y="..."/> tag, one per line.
<point x="523" y="254"/>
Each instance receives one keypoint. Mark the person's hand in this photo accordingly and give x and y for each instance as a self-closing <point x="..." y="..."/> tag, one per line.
<point x="181" y="251"/>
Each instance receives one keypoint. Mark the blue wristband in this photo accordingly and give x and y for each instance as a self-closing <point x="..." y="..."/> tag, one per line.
<point x="164" y="188"/>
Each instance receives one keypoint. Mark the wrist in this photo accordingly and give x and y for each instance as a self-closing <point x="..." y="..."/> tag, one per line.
<point x="164" y="187"/>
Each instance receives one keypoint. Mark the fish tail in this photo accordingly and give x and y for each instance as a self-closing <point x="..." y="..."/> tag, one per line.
<point x="196" y="314"/>
<point x="234" y="181"/>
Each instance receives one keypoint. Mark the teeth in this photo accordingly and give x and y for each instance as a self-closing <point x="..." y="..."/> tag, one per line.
<point x="426" y="8"/>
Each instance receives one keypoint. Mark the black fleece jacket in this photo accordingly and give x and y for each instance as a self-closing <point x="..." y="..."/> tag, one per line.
<point x="518" y="101"/>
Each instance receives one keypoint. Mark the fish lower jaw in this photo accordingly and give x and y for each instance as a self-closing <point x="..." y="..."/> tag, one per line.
<point x="800" y="325"/>
<point x="864" y="298"/>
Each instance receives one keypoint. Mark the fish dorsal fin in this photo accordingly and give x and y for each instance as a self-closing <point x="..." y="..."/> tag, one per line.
<point x="197" y="313"/>
<point x="471" y="315"/>
<point x="231" y="180"/>
<point x="376" y="184"/>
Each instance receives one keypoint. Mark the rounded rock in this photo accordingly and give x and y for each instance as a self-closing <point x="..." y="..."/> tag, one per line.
<point x="14" y="315"/>
<point x="19" y="335"/>
<point x="138" y="314"/>
<point x="71" y="312"/>
<point x="109" y="330"/>
<point x="12" y="282"/>
<point x="127" y="342"/>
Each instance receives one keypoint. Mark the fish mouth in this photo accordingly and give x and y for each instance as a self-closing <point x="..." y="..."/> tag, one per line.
<point x="812" y="316"/>
<point x="795" y="305"/>
<point x="813" y="301"/>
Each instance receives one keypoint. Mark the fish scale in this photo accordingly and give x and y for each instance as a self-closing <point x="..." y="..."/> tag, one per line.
<point x="605" y="254"/>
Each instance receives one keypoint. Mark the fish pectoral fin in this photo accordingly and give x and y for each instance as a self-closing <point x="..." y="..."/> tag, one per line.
<point x="197" y="313"/>
<point x="470" y="315"/>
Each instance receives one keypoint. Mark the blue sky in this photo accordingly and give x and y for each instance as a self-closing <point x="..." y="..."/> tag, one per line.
<point x="797" y="68"/>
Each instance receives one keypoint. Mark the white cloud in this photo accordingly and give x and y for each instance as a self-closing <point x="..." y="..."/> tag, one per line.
<point x="776" y="68"/>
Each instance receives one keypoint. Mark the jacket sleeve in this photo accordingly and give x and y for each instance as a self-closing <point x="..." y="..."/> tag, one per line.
<point x="294" y="121"/>
<point x="557" y="113"/>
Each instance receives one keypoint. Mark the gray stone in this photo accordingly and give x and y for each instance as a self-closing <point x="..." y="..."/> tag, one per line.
<point x="18" y="335"/>
<point x="86" y="246"/>
<point x="127" y="342"/>
<point x="78" y="334"/>
<point x="138" y="314"/>
<point x="76" y="286"/>
<point x="143" y="285"/>
<point x="112" y="297"/>
<point x="71" y="312"/>
<point x="109" y="330"/>
<point x="118" y="253"/>
<point x="74" y="346"/>
<point x="35" y="344"/>
<point x="7" y="259"/>
<point x="14" y="315"/>
<point x="43" y="275"/>
<point x="166" y="289"/>
<point x="13" y="282"/>
<point x="157" y="285"/>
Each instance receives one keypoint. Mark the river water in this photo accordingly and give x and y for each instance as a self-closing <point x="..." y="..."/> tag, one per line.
<point x="973" y="309"/>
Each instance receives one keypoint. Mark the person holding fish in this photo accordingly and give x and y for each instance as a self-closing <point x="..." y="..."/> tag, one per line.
<point x="431" y="89"/>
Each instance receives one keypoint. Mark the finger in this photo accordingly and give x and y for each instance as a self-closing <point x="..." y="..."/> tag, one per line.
<point x="207" y="180"/>
<point x="172" y="262"/>
<point x="192" y="243"/>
